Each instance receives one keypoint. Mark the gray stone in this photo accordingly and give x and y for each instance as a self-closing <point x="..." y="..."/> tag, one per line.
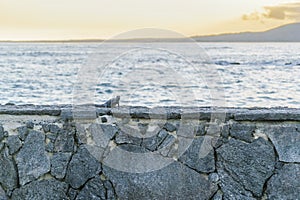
<point x="143" y="127"/>
<point x="124" y="138"/>
<point x="30" y="124"/>
<point x="81" y="168"/>
<point x="200" y="130"/>
<point x="103" y="119"/>
<point x="43" y="189"/>
<point x="51" y="137"/>
<point x="1" y="133"/>
<point x="232" y="189"/>
<point x="268" y="115"/>
<point x="2" y="194"/>
<point x="46" y="128"/>
<point x="72" y="193"/>
<point x="22" y="132"/>
<point x="32" y="159"/>
<point x="30" y="110"/>
<point x="109" y="130"/>
<point x="110" y="193"/>
<point x="175" y="181"/>
<point x="14" y="144"/>
<point x="101" y="134"/>
<point x="216" y="142"/>
<point x="133" y="148"/>
<point x="242" y="131"/>
<point x="139" y="112"/>
<point x="214" y="177"/>
<point x="66" y="114"/>
<point x="59" y="163"/>
<point x="285" y="184"/>
<point x="1" y="145"/>
<point x="213" y="129"/>
<point x="224" y="130"/>
<point x="152" y="143"/>
<point x="186" y="130"/>
<point x="218" y="195"/>
<point x="93" y="189"/>
<point x="197" y="159"/>
<point x="134" y="112"/>
<point x="162" y="134"/>
<point x="170" y="151"/>
<point x="173" y="114"/>
<point x="53" y="128"/>
<point x="167" y="142"/>
<point x="246" y="165"/>
<point x="286" y="140"/>
<point x="170" y="127"/>
<point x="49" y="147"/>
<point x="81" y="137"/>
<point x="8" y="171"/>
<point x="279" y="165"/>
<point x="6" y="134"/>
<point x="64" y="141"/>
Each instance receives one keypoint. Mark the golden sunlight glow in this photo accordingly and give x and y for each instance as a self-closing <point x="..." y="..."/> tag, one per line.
<point x="86" y="19"/>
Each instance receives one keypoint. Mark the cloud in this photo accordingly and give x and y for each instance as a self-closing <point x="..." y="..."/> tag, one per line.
<point x="288" y="11"/>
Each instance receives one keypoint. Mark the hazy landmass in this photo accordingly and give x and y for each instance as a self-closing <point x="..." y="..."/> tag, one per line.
<point x="285" y="33"/>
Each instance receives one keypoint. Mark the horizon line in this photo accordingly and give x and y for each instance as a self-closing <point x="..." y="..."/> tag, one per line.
<point x="138" y="39"/>
<point x="118" y="40"/>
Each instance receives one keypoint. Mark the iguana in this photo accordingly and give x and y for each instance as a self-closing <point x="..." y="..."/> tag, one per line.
<point x="111" y="103"/>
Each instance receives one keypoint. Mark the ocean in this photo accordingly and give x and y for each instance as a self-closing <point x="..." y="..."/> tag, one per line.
<point x="202" y="74"/>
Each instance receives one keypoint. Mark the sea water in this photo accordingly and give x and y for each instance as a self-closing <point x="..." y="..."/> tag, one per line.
<point x="246" y="74"/>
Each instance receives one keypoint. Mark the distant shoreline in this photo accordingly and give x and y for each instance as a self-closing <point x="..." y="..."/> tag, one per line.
<point x="140" y="41"/>
<point x="282" y="34"/>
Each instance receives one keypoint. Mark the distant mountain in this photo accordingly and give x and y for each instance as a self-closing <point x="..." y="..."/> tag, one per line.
<point x="285" y="33"/>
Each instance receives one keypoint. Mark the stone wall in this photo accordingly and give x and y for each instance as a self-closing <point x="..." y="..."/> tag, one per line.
<point x="141" y="153"/>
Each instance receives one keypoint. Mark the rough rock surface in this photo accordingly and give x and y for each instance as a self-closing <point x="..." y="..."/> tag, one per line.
<point x="246" y="165"/>
<point x="233" y="189"/>
<point x="176" y="181"/>
<point x="218" y="195"/>
<point x="2" y="194"/>
<point x="93" y="189"/>
<point x="286" y="140"/>
<point x="22" y="132"/>
<point x="8" y="171"/>
<point x="64" y="141"/>
<point x="81" y="168"/>
<point x="13" y="143"/>
<point x="242" y="131"/>
<point x="268" y="115"/>
<point x="152" y="143"/>
<point x="285" y="183"/>
<point x="32" y="159"/>
<point x="53" y="128"/>
<point x="124" y="138"/>
<point x="109" y="130"/>
<point x="200" y="131"/>
<point x="44" y="189"/>
<point x="1" y="132"/>
<point x="1" y="145"/>
<point x="72" y="193"/>
<point x="59" y="163"/>
<point x="237" y="166"/>
<point x="170" y="127"/>
<point x="81" y="137"/>
<point x="194" y="159"/>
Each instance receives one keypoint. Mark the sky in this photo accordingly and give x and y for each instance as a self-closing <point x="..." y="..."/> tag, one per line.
<point x="103" y="19"/>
